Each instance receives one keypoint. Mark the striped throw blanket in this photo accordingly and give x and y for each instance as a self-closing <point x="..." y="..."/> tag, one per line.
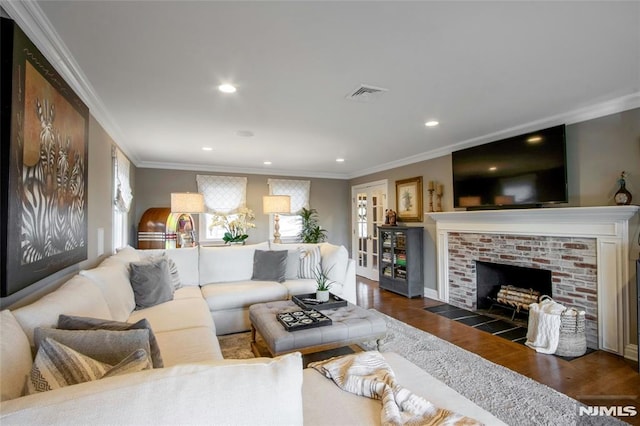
<point x="368" y="374"/>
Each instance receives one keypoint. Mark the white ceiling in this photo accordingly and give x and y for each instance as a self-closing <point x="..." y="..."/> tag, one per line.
<point x="485" y="70"/>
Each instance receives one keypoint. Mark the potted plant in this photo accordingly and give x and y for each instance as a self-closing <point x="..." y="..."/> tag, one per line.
<point x="311" y="231"/>
<point x="323" y="284"/>
<point x="236" y="228"/>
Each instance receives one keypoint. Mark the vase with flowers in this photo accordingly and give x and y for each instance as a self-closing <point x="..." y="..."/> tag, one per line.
<point x="235" y="225"/>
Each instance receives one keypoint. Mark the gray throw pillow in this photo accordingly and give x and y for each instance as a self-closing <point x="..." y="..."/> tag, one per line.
<point x="68" y="322"/>
<point x="151" y="282"/>
<point x="270" y="265"/>
<point x="106" y="346"/>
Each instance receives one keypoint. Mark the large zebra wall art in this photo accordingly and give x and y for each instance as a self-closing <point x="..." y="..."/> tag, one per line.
<point x="44" y="224"/>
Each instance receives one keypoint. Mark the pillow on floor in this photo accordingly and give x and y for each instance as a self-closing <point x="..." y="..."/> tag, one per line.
<point x="57" y="366"/>
<point x="68" y="322"/>
<point x="107" y="346"/>
<point x="309" y="262"/>
<point x="151" y="282"/>
<point x="269" y="265"/>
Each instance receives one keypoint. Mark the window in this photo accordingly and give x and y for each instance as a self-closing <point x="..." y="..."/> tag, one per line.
<point x="122" y="197"/>
<point x="222" y="195"/>
<point x="298" y="190"/>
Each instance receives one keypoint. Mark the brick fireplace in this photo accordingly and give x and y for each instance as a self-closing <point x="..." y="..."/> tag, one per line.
<point x="585" y="248"/>
<point x="572" y="262"/>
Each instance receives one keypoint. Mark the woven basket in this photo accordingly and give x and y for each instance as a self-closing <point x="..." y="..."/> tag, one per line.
<point x="573" y="338"/>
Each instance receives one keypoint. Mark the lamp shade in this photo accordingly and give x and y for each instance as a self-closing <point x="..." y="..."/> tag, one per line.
<point x="187" y="202"/>
<point x="276" y="204"/>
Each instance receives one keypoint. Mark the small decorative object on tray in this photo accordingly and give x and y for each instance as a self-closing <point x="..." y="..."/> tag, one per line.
<point x="300" y="320"/>
<point x="309" y="301"/>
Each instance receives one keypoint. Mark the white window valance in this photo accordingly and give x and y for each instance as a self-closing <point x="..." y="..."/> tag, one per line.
<point x="298" y="190"/>
<point x="222" y="194"/>
<point x="123" y="195"/>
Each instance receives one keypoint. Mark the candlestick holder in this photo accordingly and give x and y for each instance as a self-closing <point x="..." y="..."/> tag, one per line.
<point x="439" y="202"/>
<point x="430" y="200"/>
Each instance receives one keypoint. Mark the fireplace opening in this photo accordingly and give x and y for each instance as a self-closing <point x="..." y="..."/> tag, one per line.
<point x="491" y="278"/>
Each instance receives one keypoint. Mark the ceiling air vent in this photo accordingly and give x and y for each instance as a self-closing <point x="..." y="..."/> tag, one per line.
<point x="366" y="93"/>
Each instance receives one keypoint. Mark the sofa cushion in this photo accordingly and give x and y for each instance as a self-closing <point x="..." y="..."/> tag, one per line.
<point x="78" y="296"/>
<point x="264" y="391"/>
<point x="113" y="281"/>
<point x="242" y="294"/>
<point x="309" y="263"/>
<point x="127" y="254"/>
<point x="269" y="265"/>
<point x="193" y="344"/>
<point x="15" y="357"/>
<point x="106" y="346"/>
<point x="151" y="282"/>
<point x="335" y="261"/>
<point x="176" y="315"/>
<point x="186" y="260"/>
<point x="227" y="264"/>
<point x="292" y="258"/>
<point x="57" y="366"/>
<point x="188" y="292"/>
<point x="66" y="322"/>
<point x="300" y="286"/>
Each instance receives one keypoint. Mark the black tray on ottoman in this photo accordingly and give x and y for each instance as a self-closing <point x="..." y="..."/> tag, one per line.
<point x="301" y="320"/>
<point x="306" y="301"/>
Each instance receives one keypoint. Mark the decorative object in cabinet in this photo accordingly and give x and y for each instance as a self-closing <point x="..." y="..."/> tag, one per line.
<point x="158" y="229"/>
<point x="401" y="260"/>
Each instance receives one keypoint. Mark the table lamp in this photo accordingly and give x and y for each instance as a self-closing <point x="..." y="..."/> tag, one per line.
<point x="276" y="205"/>
<point x="187" y="203"/>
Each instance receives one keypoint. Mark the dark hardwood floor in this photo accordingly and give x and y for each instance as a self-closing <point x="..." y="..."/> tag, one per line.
<point x="599" y="378"/>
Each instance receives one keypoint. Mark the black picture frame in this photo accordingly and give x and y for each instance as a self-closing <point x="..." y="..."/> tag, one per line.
<point x="45" y="147"/>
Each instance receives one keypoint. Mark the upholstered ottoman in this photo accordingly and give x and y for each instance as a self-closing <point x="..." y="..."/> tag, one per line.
<point x="350" y="324"/>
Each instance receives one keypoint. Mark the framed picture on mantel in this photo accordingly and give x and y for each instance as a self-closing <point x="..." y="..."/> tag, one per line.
<point x="409" y="199"/>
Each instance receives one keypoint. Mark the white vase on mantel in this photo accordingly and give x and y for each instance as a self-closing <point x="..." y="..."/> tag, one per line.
<point x="322" y="295"/>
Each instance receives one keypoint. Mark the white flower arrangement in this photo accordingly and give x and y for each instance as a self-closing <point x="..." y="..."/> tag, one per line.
<point x="235" y="229"/>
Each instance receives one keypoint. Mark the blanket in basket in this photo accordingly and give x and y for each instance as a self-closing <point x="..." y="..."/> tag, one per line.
<point x="368" y="374"/>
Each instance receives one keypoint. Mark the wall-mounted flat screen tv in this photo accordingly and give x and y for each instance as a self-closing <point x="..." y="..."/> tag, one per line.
<point x="529" y="170"/>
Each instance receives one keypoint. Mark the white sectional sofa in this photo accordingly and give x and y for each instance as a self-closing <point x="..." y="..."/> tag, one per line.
<point x="224" y="275"/>
<point x="196" y="385"/>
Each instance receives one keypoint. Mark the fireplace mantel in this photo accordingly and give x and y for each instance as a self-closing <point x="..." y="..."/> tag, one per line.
<point x="608" y="225"/>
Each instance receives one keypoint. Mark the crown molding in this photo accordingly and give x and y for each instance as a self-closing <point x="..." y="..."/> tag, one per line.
<point x="614" y="106"/>
<point x="34" y="23"/>
<point x="32" y="20"/>
<point x="242" y="170"/>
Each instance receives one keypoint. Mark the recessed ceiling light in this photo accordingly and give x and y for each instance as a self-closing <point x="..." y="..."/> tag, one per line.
<point x="267" y="163"/>
<point x="431" y="123"/>
<point x="227" y="88"/>
<point x="493" y="168"/>
<point x="340" y="160"/>
<point x="207" y="148"/>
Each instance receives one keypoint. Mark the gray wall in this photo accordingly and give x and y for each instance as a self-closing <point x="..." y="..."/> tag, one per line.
<point x="99" y="216"/>
<point x="330" y="197"/>
<point x="597" y="151"/>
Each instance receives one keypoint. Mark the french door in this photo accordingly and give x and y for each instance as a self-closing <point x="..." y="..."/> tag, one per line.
<point x="369" y="202"/>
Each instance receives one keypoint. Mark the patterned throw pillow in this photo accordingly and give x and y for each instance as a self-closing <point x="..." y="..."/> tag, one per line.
<point x="57" y="366"/>
<point x="309" y="262"/>
<point x="173" y="272"/>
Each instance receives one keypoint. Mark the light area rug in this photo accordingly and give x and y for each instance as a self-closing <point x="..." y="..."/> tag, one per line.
<point x="512" y="397"/>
